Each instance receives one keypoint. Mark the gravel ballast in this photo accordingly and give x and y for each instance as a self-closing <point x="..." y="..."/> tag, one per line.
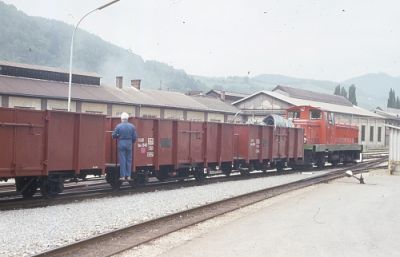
<point x="29" y="231"/>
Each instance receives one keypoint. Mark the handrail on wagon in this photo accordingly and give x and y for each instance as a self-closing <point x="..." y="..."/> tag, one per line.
<point x="10" y="124"/>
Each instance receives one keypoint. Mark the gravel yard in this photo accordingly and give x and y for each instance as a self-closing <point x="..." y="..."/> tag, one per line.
<point x="29" y="231"/>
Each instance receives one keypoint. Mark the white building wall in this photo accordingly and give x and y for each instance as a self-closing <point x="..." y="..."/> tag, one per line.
<point x="60" y="105"/>
<point x="173" y="114"/>
<point x="216" y="117"/>
<point x="25" y="102"/>
<point x="233" y="119"/>
<point x="195" y="116"/>
<point x="150" y="112"/>
<point x="367" y="122"/>
<point x="263" y="102"/>
<point x="94" y="108"/>
<point x="118" y="109"/>
<point x="394" y="150"/>
<point x="368" y="141"/>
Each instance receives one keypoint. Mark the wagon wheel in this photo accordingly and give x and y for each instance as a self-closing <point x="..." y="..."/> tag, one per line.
<point x="279" y="166"/>
<point x="116" y="184"/>
<point x="199" y="174"/>
<point x="141" y="179"/>
<point x="82" y="176"/>
<point x="28" y="186"/>
<point x="334" y="163"/>
<point x="162" y="175"/>
<point x="227" y="171"/>
<point x="320" y="163"/>
<point x="244" y="171"/>
<point x="51" y="186"/>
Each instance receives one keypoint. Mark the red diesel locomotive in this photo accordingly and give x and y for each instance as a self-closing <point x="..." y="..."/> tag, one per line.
<point x="324" y="140"/>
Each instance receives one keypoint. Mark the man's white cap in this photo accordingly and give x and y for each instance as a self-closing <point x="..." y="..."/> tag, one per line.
<point x="124" y="116"/>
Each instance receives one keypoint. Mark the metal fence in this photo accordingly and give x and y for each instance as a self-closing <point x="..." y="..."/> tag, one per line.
<point x="394" y="149"/>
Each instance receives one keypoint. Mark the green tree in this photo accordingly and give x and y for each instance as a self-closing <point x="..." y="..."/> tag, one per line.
<point x="352" y="94"/>
<point x="337" y="90"/>
<point x="343" y="92"/>
<point x="392" y="99"/>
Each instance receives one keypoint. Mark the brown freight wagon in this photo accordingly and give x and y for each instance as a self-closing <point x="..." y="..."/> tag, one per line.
<point x="42" y="148"/>
<point x="259" y="147"/>
<point x="169" y="148"/>
<point x="178" y="149"/>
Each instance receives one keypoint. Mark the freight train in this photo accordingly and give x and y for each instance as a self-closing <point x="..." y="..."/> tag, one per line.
<point x="40" y="149"/>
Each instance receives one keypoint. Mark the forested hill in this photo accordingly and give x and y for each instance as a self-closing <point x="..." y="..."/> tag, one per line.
<point x="41" y="41"/>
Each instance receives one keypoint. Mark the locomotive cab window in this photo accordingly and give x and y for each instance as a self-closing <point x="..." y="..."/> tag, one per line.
<point x="331" y="118"/>
<point x="315" y="114"/>
<point x="294" y="115"/>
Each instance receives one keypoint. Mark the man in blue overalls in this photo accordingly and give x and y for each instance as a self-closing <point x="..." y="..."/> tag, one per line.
<point x="125" y="132"/>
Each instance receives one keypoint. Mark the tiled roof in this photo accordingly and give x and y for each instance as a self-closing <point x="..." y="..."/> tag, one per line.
<point x="109" y="94"/>
<point x="388" y="115"/>
<point x="45" y="68"/>
<point x="313" y="96"/>
<point x="227" y="93"/>
<point x="355" y="110"/>
<point x="216" y="104"/>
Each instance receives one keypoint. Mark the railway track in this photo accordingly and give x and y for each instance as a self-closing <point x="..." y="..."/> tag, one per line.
<point x="123" y="239"/>
<point x="104" y="190"/>
<point x="8" y="190"/>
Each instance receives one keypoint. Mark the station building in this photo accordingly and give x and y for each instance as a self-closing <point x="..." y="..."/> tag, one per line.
<point x="371" y="125"/>
<point x="45" y="88"/>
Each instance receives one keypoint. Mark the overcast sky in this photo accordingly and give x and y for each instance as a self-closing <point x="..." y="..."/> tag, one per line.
<point x="325" y="39"/>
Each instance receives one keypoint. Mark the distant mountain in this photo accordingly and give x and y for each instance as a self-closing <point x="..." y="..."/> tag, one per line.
<point x="41" y="41"/>
<point x="373" y="88"/>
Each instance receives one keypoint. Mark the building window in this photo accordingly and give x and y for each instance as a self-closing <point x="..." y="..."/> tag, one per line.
<point x="149" y="116"/>
<point x="371" y="134"/>
<point x="363" y="133"/>
<point x="94" y="112"/>
<point x="24" y="107"/>
<point x="379" y="134"/>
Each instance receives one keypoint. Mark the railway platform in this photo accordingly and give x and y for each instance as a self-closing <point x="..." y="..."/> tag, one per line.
<point x="341" y="218"/>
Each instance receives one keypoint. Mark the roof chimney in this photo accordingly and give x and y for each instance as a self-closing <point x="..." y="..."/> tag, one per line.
<point x="136" y="83"/>
<point x="223" y="95"/>
<point x="119" y="81"/>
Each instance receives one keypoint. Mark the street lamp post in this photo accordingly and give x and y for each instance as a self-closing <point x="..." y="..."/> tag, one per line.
<point x="72" y="48"/>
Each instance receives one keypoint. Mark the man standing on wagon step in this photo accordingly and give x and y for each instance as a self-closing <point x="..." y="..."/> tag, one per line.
<point x="125" y="132"/>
